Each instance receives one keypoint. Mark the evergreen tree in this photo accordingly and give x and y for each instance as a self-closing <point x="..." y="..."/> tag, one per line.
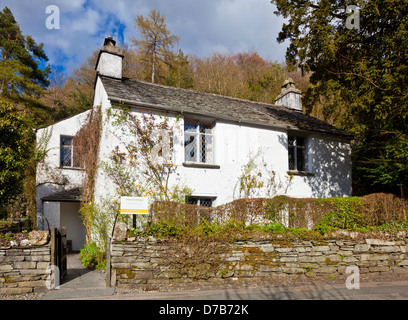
<point x="21" y="78"/>
<point x="358" y="63"/>
<point x="16" y="140"/>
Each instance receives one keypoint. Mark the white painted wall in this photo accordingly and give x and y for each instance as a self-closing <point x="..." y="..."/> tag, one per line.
<point x="110" y="65"/>
<point x="51" y="213"/>
<point x="50" y="177"/>
<point x="329" y="159"/>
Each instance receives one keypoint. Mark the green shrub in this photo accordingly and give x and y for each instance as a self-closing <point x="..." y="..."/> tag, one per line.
<point x="164" y="228"/>
<point x="92" y="257"/>
<point x="273" y="227"/>
<point x="346" y="215"/>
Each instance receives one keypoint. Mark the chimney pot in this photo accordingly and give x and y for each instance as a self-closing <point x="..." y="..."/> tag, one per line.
<point x="109" y="42"/>
<point x="289" y="97"/>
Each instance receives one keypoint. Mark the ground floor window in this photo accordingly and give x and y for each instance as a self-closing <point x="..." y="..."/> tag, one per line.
<point x="201" y="201"/>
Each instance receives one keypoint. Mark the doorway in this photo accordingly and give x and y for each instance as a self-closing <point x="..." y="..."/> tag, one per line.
<point x="71" y="219"/>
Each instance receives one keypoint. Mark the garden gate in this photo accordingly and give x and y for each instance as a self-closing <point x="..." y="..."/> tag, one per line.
<point x="59" y="251"/>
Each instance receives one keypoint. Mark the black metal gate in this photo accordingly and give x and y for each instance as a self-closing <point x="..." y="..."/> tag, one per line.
<point x="59" y="251"/>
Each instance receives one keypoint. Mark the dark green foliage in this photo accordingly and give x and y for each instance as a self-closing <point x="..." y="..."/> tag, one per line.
<point x="92" y="257"/>
<point x="346" y="215"/>
<point x="359" y="75"/>
<point x="21" y="78"/>
<point x="16" y="139"/>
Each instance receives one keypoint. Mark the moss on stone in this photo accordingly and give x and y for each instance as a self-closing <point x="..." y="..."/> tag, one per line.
<point x="126" y="271"/>
<point x="282" y="243"/>
<point x="331" y="263"/>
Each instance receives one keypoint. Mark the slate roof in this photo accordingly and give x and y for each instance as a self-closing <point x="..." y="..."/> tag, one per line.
<point x="178" y="100"/>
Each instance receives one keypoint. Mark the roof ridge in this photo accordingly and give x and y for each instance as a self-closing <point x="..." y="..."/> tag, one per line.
<point x="208" y="93"/>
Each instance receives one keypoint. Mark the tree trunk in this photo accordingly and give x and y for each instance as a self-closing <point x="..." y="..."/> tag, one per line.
<point x="403" y="194"/>
<point x="153" y="66"/>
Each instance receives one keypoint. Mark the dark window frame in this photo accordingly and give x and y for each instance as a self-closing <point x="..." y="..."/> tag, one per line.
<point x="73" y="161"/>
<point x="297" y="153"/>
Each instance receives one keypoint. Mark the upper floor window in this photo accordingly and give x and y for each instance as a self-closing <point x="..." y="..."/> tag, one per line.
<point x="198" y="142"/>
<point x="68" y="156"/>
<point x="297" y="153"/>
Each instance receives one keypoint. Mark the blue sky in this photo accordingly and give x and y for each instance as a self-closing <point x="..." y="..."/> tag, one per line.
<point x="204" y="27"/>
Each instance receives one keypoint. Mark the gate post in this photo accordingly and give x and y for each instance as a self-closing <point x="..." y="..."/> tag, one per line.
<point x="108" y="262"/>
<point x="54" y="249"/>
<point x="53" y="282"/>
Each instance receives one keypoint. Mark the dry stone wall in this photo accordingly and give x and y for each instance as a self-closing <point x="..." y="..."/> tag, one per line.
<point x="24" y="269"/>
<point x="152" y="260"/>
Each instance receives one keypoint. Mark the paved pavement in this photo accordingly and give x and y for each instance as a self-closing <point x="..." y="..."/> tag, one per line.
<point x="84" y="284"/>
<point x="80" y="283"/>
<point x="377" y="291"/>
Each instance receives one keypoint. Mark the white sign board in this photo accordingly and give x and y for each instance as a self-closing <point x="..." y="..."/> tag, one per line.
<point x="134" y="205"/>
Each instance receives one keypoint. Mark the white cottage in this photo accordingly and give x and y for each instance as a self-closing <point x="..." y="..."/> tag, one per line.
<point x="218" y="136"/>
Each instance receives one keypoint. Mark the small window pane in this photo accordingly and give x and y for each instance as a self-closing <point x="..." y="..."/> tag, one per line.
<point x="76" y="162"/>
<point x="297" y="153"/>
<point x="301" y="157"/>
<point x="192" y="200"/>
<point x="206" y="128"/>
<point x="206" y="202"/>
<point x="66" y="141"/>
<point x="291" y="156"/>
<point x="190" y="146"/>
<point x="66" y="156"/>
<point x="300" y="141"/>
<point x="206" y="155"/>
<point x="190" y="126"/>
<point x="291" y="141"/>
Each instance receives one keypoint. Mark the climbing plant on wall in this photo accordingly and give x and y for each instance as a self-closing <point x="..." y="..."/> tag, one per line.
<point x="144" y="163"/>
<point x="86" y="143"/>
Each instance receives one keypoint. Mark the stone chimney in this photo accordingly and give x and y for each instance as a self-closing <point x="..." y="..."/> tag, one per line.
<point x="290" y="97"/>
<point x="110" y="60"/>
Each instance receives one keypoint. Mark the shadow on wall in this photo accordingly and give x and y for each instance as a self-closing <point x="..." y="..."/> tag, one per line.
<point x="332" y="168"/>
<point x="330" y="162"/>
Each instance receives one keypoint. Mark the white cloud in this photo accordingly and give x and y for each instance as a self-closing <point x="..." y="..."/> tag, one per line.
<point x="88" y="22"/>
<point x="204" y="27"/>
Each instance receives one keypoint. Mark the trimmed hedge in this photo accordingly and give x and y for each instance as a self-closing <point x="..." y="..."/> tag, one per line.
<point x="346" y="213"/>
